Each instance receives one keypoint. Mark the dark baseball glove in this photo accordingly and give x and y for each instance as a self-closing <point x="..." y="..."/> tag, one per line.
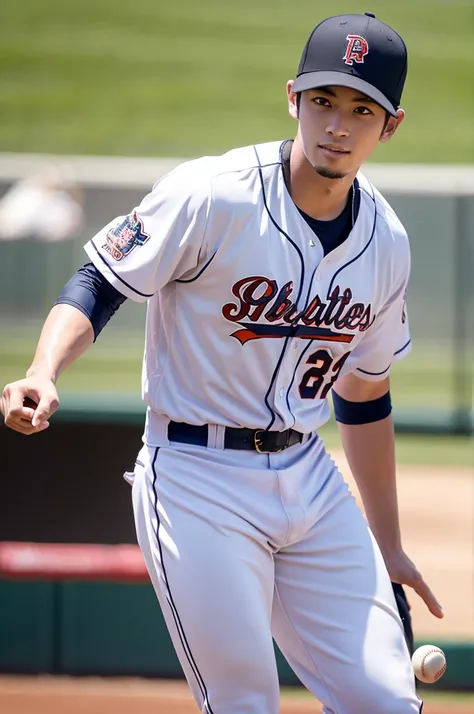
<point x="404" y="612"/>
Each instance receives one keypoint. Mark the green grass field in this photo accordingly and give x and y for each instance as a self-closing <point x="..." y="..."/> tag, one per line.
<point x="182" y="79"/>
<point x="185" y="78"/>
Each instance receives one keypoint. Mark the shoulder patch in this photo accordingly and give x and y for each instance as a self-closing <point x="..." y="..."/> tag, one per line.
<point x="125" y="236"/>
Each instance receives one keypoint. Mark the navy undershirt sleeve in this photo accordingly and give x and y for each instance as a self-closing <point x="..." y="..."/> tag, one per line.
<point x="93" y="295"/>
<point x="347" y="412"/>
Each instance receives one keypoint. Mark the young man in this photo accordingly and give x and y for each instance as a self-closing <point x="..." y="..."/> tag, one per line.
<point x="274" y="274"/>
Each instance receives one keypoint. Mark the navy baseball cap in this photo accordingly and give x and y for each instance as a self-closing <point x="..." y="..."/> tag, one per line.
<point x="355" y="51"/>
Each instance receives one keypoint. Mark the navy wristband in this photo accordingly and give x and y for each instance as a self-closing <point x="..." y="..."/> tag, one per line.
<point x="347" y="412"/>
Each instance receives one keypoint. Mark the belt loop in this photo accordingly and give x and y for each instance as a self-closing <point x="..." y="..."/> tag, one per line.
<point x="156" y="428"/>
<point x="211" y="436"/>
<point x="220" y="436"/>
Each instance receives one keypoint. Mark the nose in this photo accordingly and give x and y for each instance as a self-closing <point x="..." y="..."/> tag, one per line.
<point x="336" y="127"/>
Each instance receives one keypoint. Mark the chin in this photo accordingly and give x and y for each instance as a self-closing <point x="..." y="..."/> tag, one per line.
<point x="332" y="174"/>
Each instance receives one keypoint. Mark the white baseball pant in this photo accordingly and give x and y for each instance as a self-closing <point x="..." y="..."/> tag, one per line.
<point x="241" y="546"/>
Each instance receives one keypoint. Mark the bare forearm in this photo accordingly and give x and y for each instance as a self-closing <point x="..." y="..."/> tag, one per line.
<point x="369" y="446"/>
<point x="370" y="451"/>
<point x="65" y="336"/>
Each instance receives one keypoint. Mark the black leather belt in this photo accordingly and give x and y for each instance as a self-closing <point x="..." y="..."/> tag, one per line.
<point x="265" y="442"/>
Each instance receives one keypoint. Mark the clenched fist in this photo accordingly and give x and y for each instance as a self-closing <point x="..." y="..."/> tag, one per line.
<point x="28" y="404"/>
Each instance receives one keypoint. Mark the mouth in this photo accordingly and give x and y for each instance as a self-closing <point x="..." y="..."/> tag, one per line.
<point x="334" y="150"/>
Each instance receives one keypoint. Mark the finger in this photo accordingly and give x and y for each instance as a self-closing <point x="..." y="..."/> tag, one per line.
<point x="27" y="423"/>
<point x="24" y="427"/>
<point x="25" y="414"/>
<point x="18" y="415"/>
<point x="46" y="407"/>
<point x="25" y="430"/>
<point x="12" y="400"/>
<point x="22" y="419"/>
<point x="422" y="589"/>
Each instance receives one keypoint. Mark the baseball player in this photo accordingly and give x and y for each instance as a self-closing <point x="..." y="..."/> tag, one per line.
<point x="274" y="275"/>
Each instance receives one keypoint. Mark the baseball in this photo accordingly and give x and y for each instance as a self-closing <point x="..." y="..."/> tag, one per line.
<point x="429" y="663"/>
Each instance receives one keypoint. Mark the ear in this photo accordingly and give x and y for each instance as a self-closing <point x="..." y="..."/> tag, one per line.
<point x="292" y="104"/>
<point x="392" y="125"/>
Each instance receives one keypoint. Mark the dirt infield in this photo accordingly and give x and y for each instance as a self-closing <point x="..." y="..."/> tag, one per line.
<point x="47" y="695"/>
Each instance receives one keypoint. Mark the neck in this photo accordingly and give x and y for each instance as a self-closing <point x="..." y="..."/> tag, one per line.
<point x="319" y="197"/>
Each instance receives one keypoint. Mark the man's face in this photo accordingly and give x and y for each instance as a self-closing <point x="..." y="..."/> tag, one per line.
<point x="339" y="128"/>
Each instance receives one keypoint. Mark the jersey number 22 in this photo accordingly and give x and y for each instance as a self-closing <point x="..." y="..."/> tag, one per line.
<point x="311" y="386"/>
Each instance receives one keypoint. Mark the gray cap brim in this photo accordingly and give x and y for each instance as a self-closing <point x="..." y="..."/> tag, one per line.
<point x="313" y="80"/>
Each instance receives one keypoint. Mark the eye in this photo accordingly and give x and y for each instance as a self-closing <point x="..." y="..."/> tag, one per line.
<point x="322" y="101"/>
<point x="365" y="111"/>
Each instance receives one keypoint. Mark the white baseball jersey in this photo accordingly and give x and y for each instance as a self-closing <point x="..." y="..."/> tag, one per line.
<point x="248" y="324"/>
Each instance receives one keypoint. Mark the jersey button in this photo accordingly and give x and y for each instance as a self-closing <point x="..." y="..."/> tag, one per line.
<point x="282" y="391"/>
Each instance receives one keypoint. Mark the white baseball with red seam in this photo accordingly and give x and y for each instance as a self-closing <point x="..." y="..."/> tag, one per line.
<point x="429" y="663"/>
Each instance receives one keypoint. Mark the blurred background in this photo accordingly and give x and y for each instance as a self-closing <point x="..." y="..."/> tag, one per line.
<point x="100" y="98"/>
